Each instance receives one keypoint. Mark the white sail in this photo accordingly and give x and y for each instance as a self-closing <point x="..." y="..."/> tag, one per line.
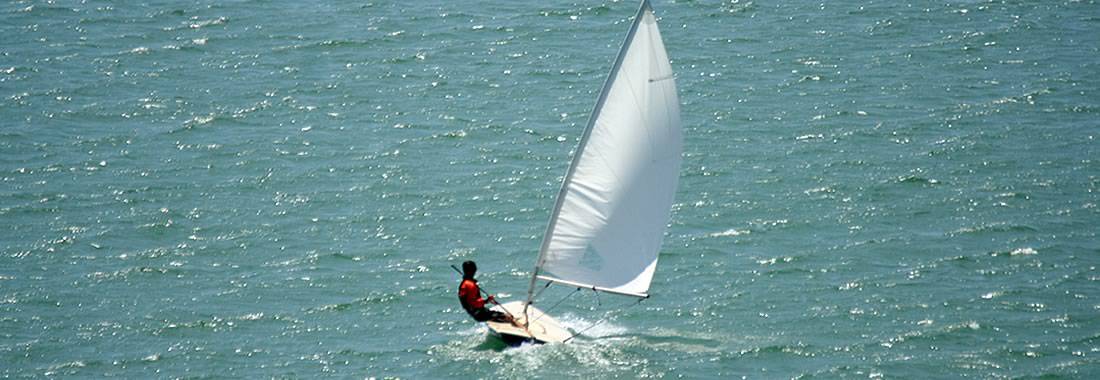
<point x="606" y="229"/>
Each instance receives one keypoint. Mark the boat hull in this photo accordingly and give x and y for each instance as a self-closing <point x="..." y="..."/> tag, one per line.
<point x="542" y="328"/>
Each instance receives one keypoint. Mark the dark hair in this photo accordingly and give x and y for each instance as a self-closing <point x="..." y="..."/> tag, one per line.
<point x="468" y="269"/>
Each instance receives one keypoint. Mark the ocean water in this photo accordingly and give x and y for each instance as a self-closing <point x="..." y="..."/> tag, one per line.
<point x="871" y="189"/>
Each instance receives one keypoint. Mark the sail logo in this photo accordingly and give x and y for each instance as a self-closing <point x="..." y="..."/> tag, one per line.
<point x="591" y="259"/>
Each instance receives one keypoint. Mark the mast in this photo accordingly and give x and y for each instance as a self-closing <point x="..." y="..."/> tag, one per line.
<point x="546" y="238"/>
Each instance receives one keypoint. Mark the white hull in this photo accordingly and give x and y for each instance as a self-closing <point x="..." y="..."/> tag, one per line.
<point x="542" y="329"/>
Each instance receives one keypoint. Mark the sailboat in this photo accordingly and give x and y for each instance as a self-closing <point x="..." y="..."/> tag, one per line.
<point x="607" y="224"/>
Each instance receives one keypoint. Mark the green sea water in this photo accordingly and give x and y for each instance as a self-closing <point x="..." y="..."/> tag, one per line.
<point x="256" y="189"/>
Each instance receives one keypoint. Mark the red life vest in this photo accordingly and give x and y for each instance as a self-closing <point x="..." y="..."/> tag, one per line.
<point x="470" y="295"/>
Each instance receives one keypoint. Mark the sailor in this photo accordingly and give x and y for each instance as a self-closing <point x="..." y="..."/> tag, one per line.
<point x="469" y="294"/>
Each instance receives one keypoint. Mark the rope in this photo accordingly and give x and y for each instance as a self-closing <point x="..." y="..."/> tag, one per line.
<point x="600" y="321"/>
<point x="526" y="322"/>
<point x="547" y="311"/>
<point x="541" y="290"/>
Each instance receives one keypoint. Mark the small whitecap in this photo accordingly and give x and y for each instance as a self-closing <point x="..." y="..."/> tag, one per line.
<point x="1025" y="251"/>
<point x="200" y="120"/>
<point x="729" y="232"/>
<point x="850" y="285"/>
<point x="204" y="23"/>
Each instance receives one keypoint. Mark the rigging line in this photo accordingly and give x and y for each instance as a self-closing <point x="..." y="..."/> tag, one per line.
<point x="541" y="290"/>
<point x="600" y="321"/>
<point x="547" y="311"/>
<point x="531" y="300"/>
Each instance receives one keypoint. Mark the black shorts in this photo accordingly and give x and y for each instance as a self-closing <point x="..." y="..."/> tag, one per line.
<point x="484" y="314"/>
